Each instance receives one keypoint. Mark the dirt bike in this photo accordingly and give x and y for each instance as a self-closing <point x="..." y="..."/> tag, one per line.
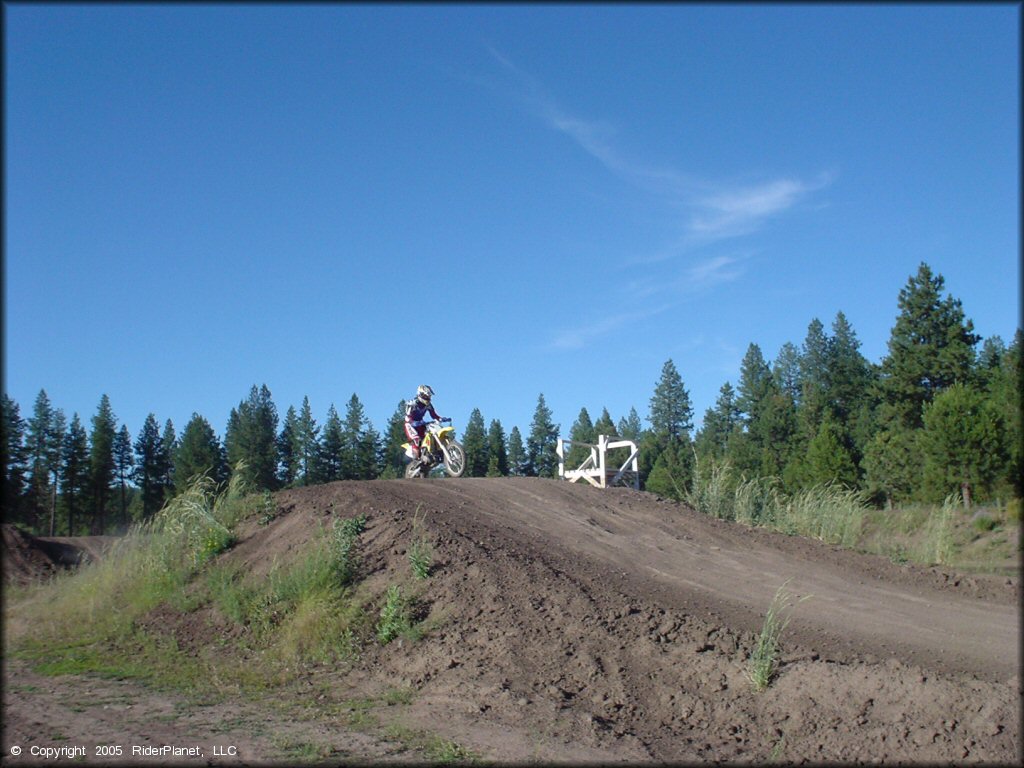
<point x="438" y="448"/>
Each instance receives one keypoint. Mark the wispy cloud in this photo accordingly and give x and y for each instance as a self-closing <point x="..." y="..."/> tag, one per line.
<point x="714" y="271"/>
<point x="702" y="212"/>
<point x="583" y="335"/>
<point x="738" y="211"/>
<point x="712" y="210"/>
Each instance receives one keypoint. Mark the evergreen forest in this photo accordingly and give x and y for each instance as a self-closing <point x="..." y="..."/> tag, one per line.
<point x="938" y="415"/>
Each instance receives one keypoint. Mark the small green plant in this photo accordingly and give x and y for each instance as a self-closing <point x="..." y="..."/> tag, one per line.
<point x="764" y="661"/>
<point x="394" y="696"/>
<point x="1013" y="510"/>
<point x="776" y="752"/>
<point x="421" y="557"/>
<point x="394" y="616"/>
<point x="983" y="523"/>
<point x="344" y="547"/>
<point x="421" y="554"/>
<point x="898" y="554"/>
<point x="267" y="508"/>
<point x="444" y="751"/>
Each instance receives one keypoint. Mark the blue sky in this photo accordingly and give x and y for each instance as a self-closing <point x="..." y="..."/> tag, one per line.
<point x="497" y="200"/>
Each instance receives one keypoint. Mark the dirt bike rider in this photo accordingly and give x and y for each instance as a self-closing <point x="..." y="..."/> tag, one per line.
<point x="415" y="410"/>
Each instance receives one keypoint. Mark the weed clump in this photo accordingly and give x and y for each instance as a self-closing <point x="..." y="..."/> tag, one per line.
<point x="395" y="616"/>
<point x="764" y="661"/>
<point x="420" y="554"/>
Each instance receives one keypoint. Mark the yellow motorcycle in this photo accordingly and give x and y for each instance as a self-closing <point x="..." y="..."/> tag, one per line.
<point x="438" y="449"/>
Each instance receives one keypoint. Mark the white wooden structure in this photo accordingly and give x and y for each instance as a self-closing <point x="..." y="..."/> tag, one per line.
<point x="595" y="469"/>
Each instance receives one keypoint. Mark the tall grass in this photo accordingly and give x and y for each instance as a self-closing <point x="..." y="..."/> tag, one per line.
<point x="149" y="565"/>
<point x="304" y="610"/>
<point x="937" y="546"/>
<point x="829" y="512"/>
<point x="421" y="553"/>
<point x="764" y="661"/>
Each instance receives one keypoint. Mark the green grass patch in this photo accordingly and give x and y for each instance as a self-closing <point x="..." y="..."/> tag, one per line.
<point x="436" y="748"/>
<point x="394" y="696"/>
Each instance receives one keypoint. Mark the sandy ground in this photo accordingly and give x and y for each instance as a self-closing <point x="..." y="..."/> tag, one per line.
<point x="572" y="624"/>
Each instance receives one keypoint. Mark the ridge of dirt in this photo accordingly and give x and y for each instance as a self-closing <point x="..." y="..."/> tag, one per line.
<point x="621" y="624"/>
<point x="570" y="624"/>
<point x="28" y="558"/>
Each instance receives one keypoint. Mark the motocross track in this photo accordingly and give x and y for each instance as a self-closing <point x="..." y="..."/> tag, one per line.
<point x="571" y="624"/>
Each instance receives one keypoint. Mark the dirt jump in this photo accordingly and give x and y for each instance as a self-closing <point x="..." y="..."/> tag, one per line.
<point x="572" y="624"/>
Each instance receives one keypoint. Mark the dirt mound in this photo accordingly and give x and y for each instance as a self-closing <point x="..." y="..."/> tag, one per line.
<point x="573" y="623"/>
<point x="30" y="558"/>
<point x="567" y="624"/>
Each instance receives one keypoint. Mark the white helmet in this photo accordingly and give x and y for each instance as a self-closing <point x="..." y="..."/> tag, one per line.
<point x="424" y="393"/>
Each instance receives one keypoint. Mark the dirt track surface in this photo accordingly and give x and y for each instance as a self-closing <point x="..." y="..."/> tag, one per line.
<point x="573" y="624"/>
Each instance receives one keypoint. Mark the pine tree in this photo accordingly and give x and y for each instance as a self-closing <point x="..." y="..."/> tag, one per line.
<point x="775" y="432"/>
<point x="989" y="360"/>
<point x="44" y="432"/>
<point x="331" y="447"/>
<point x="719" y="424"/>
<point x="123" y="463"/>
<point x="74" y="471"/>
<point x="605" y="426"/>
<point x="582" y="431"/>
<point x="1004" y="392"/>
<point x="370" y="454"/>
<point x="474" y="441"/>
<point x="541" y="458"/>
<point x="754" y="399"/>
<point x="629" y="427"/>
<point x="964" y="443"/>
<point x="786" y="372"/>
<point x="671" y="414"/>
<point x="168" y="447"/>
<point x="931" y="347"/>
<point x="305" y="445"/>
<point x="149" y="467"/>
<point x="815" y="380"/>
<point x="12" y="443"/>
<point x="892" y="465"/>
<point x="672" y="471"/>
<point x="497" y="454"/>
<point x="287" y="456"/>
<point x="394" y="438"/>
<point x="828" y="460"/>
<point x="851" y="381"/>
<point x="359" y="443"/>
<point x="199" y="453"/>
<point x="755" y="385"/>
<point x="517" y="459"/>
<point x="251" y="440"/>
<point x="101" y="463"/>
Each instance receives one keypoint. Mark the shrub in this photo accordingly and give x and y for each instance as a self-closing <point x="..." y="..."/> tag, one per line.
<point x="394" y="616"/>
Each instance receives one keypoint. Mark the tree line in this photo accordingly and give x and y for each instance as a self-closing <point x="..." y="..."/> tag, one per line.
<point x="935" y="416"/>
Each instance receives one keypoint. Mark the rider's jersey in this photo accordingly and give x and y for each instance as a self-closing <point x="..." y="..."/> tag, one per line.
<point x="415" y="411"/>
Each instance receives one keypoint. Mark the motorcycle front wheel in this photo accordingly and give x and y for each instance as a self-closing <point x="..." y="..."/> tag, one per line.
<point x="454" y="459"/>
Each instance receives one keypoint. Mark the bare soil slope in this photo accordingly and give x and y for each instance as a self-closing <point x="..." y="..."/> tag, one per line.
<point x="29" y="558"/>
<point x="573" y="624"/>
